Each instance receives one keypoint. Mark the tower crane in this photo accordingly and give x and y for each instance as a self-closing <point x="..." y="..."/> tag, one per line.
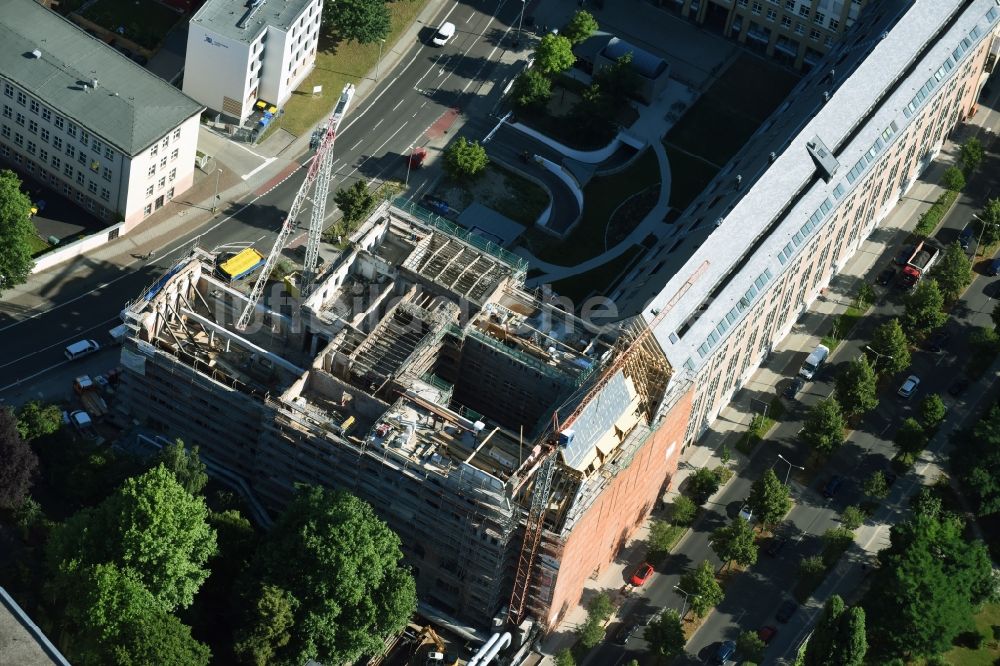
<point x="317" y="181"/>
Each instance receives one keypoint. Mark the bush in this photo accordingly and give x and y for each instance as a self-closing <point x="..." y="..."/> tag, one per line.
<point x="852" y="518"/>
<point x="932" y="216"/>
<point x="702" y="485"/>
<point x="953" y="179"/>
<point x="683" y="511"/>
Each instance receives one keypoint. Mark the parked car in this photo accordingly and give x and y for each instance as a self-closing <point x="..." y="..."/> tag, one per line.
<point x="958" y="387"/>
<point x="965" y="238"/>
<point x="909" y="387"/>
<point x="904" y="255"/>
<point x="443" y="34"/>
<point x="936" y="343"/>
<point x="725" y="652"/>
<point x="642" y="574"/>
<point x="994" y="268"/>
<point x="794" y="387"/>
<point x="786" y="610"/>
<point x="886" y="276"/>
<point x="767" y="634"/>
<point x="625" y="631"/>
<point x="746" y="513"/>
<point x="832" y="486"/>
<point x="777" y="544"/>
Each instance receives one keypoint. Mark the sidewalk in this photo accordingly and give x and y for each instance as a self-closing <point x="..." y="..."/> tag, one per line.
<point x="734" y="419"/>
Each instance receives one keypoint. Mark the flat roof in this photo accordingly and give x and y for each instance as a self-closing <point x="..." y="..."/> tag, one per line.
<point x="131" y="108"/>
<point x="21" y="641"/>
<point x="244" y="20"/>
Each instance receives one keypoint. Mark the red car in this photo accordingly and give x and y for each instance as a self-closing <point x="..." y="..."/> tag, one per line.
<point x="767" y="634"/>
<point x="642" y="574"/>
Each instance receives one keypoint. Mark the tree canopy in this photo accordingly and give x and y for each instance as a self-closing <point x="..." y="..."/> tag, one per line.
<point x="735" y="543"/>
<point x="465" y="159"/>
<point x="554" y="54"/>
<point x="910" y="438"/>
<point x="150" y="525"/>
<point x="932" y="411"/>
<point x="924" y="593"/>
<point x="532" y="89"/>
<point x="354" y="201"/>
<point x="953" y="271"/>
<point x="823" y="428"/>
<point x="976" y="460"/>
<point x="988" y="223"/>
<point x="362" y="21"/>
<point x="769" y="498"/>
<point x="923" y="309"/>
<point x="953" y="179"/>
<point x="971" y="155"/>
<point x="702" y="484"/>
<point x="876" y="485"/>
<point x="20" y="464"/>
<point x="336" y="565"/>
<point x="839" y="636"/>
<point x="580" y="26"/>
<point x="857" y="387"/>
<point x="703" y="590"/>
<point x="892" y="347"/>
<point x="665" y="635"/>
<point x="16" y="232"/>
<point x="185" y="465"/>
<point x="35" y="419"/>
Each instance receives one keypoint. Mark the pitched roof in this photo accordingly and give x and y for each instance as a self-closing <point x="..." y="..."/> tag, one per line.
<point x="131" y="107"/>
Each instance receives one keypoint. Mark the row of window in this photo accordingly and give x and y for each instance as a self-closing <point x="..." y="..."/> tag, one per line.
<point x="155" y="148"/>
<point x="731" y="317"/>
<point x="53" y="179"/>
<point x="820" y="18"/>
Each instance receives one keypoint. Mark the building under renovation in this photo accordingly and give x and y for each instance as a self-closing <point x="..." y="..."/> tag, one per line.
<point x="511" y="445"/>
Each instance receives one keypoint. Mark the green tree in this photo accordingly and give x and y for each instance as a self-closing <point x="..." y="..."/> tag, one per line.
<point x="971" y="156"/>
<point x="953" y="179"/>
<point x="16" y="232"/>
<point x="892" y="347"/>
<point x="866" y="295"/>
<point x="661" y="538"/>
<point x="924" y="593"/>
<point x="600" y="607"/>
<point x="769" y="498"/>
<point x="565" y="658"/>
<point x="554" y="54"/>
<point x="857" y="388"/>
<point x="580" y="27"/>
<point x="876" y="486"/>
<point x="838" y="638"/>
<point x="910" y="438"/>
<point x="823" y="428"/>
<point x="976" y="460"/>
<point x="988" y="222"/>
<point x="20" y="464"/>
<point x="619" y="80"/>
<point x="465" y="159"/>
<point x="932" y="411"/>
<point x="591" y="632"/>
<point x="683" y="511"/>
<point x="852" y="518"/>
<point x="665" y="635"/>
<point x="341" y="567"/>
<point x="702" y="484"/>
<point x="926" y="503"/>
<point x="852" y="644"/>
<point x="150" y="525"/>
<point x="185" y="465"/>
<point x="750" y="647"/>
<point x="923" y="309"/>
<point x="273" y="612"/>
<point x="362" y="21"/>
<point x="354" y="201"/>
<point x="35" y="420"/>
<point x="735" y="543"/>
<point x="995" y="316"/>
<point x="953" y="272"/>
<point x="704" y="591"/>
<point x="532" y="89"/>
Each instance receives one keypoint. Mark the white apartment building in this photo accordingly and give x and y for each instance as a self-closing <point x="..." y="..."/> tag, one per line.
<point x="240" y="52"/>
<point x="757" y="246"/>
<point x="89" y="122"/>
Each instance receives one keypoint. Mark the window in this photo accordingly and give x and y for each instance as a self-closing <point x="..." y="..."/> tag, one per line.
<point x="34" y="107"/>
<point x="84" y="137"/>
<point x="771" y="15"/>
<point x="92" y="187"/>
<point x="71" y="130"/>
<point x="834" y="24"/>
<point x="172" y="175"/>
<point x="8" y="112"/>
<point x="56" y="163"/>
<point x="108" y="153"/>
<point x="790" y="5"/>
<point x="60" y="122"/>
<point x="154" y="150"/>
<point x="22" y="99"/>
<point x="163" y="162"/>
<point x="57" y="142"/>
<point x="18" y="139"/>
<point x="43" y="155"/>
<point x="46" y="114"/>
<point x="106" y="174"/>
<point x="148" y="209"/>
<point x="32" y="147"/>
<point x="5" y="131"/>
<point x="162" y="182"/>
<point x="45" y="135"/>
<point x="96" y="146"/>
<point x="786" y="22"/>
<point x="800" y="29"/>
<point x="804" y="11"/>
<point x="820" y="18"/>
<point x="105" y="193"/>
<point x="19" y="119"/>
<point x="8" y="90"/>
<point x="33" y="126"/>
<point x="166" y="142"/>
<point x="152" y="170"/>
<point x="173" y="154"/>
<point x="68" y="170"/>
<point x="814" y="34"/>
<point x="149" y="191"/>
<point x="95" y="166"/>
<point x="79" y="178"/>
<point x="170" y="194"/>
<point x="177" y="134"/>
<point x="81" y="157"/>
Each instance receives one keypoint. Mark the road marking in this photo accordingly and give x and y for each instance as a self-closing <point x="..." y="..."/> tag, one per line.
<point x="400" y="102"/>
<point x="61" y="343"/>
<point x="358" y="143"/>
<point x="254" y="172"/>
<point x="381" y="120"/>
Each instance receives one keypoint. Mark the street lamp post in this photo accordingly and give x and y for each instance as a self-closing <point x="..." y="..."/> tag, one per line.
<point x="753" y="400"/>
<point x="520" y="20"/>
<point x="378" y="63"/>
<point x="215" y="201"/>
<point x="409" y="161"/>
<point x="982" y="229"/>
<point x="790" y="466"/>
<point x="878" y="357"/>
<point x="684" y="605"/>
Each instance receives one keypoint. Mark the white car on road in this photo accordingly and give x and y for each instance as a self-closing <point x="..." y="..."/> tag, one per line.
<point x="443" y="34"/>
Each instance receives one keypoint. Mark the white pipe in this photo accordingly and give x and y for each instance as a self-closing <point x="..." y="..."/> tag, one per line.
<point x="483" y="650"/>
<point x="490" y="649"/>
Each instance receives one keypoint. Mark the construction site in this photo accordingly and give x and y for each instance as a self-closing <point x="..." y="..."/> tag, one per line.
<point x="512" y="446"/>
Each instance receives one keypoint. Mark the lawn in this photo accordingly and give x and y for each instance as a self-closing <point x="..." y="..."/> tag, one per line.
<point x="601" y="197"/>
<point x="989" y="652"/>
<point x="145" y="22"/>
<point x="722" y="119"/>
<point x="596" y="280"/>
<point x="337" y="64"/>
<point x="689" y="176"/>
<point x="38" y="245"/>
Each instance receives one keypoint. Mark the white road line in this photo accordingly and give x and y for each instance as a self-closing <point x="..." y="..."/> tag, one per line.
<point x="254" y="172"/>
<point x="381" y="120"/>
<point x="400" y="102"/>
<point x="360" y="141"/>
<point x="374" y="152"/>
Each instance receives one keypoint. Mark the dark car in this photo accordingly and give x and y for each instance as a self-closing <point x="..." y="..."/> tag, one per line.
<point x="886" y="276"/>
<point x="786" y="610"/>
<point x="994" y="268"/>
<point x="890" y="477"/>
<point x="776" y="545"/>
<point x="937" y="342"/>
<point x="439" y="206"/>
<point x="832" y="486"/>
<point x="903" y="256"/>
<point x="625" y="631"/>
<point x="767" y="634"/>
<point x="794" y="387"/>
<point x="965" y="238"/>
<point x="958" y="388"/>
<point x="725" y="652"/>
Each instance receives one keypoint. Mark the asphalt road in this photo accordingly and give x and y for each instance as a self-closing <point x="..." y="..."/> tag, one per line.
<point x="417" y="102"/>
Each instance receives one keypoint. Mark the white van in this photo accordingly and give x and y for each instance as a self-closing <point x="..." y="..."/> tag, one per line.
<point x="814" y="361"/>
<point x="443" y="34"/>
<point x="81" y="348"/>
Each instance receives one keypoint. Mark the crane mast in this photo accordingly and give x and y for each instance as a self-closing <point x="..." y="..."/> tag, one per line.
<point x="317" y="180"/>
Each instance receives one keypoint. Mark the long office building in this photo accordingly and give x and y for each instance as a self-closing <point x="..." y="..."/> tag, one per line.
<point x="513" y="446"/>
<point x="87" y="121"/>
